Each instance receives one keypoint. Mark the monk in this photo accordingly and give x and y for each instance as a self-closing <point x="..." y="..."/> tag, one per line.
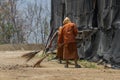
<point x="59" y="53"/>
<point x="69" y="33"/>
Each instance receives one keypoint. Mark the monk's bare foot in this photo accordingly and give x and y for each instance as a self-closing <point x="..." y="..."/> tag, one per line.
<point x="77" y="66"/>
<point x="66" y="65"/>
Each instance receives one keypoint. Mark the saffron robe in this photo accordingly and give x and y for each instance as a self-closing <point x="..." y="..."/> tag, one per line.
<point x="69" y="33"/>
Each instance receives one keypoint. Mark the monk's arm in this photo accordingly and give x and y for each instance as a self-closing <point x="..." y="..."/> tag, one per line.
<point x="75" y="30"/>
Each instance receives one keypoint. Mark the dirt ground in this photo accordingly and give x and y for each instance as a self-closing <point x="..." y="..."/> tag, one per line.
<point x="13" y="67"/>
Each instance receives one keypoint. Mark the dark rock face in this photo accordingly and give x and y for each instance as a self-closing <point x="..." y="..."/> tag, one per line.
<point x="104" y="14"/>
<point x="80" y="12"/>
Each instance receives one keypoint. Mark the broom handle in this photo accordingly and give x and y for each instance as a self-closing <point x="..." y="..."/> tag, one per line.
<point x="48" y="39"/>
<point x="46" y="46"/>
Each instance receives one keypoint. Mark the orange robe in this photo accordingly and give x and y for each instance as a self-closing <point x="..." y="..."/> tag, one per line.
<point x="69" y="33"/>
<point x="59" y="42"/>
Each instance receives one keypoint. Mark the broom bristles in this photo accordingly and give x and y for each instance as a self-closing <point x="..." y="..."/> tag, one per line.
<point x="39" y="61"/>
<point x="30" y="55"/>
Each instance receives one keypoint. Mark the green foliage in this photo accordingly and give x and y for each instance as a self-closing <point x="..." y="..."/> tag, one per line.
<point x="87" y="64"/>
<point x="9" y="29"/>
<point x="6" y="33"/>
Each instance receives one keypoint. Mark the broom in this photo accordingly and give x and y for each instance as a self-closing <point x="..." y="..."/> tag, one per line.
<point x="45" y="51"/>
<point x="30" y="55"/>
<point x="39" y="61"/>
<point x="46" y="48"/>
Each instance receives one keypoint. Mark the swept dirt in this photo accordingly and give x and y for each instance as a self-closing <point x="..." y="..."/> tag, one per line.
<point x="13" y="67"/>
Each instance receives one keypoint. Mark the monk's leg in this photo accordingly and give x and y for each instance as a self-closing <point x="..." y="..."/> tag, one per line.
<point x="60" y="60"/>
<point x="66" y="65"/>
<point x="76" y="64"/>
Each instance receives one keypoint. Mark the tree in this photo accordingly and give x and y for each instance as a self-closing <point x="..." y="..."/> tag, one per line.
<point x="11" y="31"/>
<point x="36" y="22"/>
<point x="29" y="25"/>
